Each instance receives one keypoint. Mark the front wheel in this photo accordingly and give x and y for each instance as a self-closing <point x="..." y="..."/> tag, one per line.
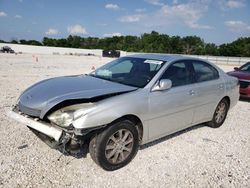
<point x="116" y="146"/>
<point x="220" y="114"/>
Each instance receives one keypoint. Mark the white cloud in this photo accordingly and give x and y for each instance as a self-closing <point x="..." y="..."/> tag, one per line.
<point x="20" y="1"/>
<point x="235" y="4"/>
<point x="112" y="35"/>
<point x="112" y="6"/>
<point x="189" y="14"/>
<point x="140" y="10"/>
<point x="52" y="31"/>
<point x="154" y="2"/>
<point x="131" y="18"/>
<point x="77" y="29"/>
<point x="18" y="16"/>
<point x="175" y="1"/>
<point x="231" y="4"/>
<point x="237" y="26"/>
<point x="2" y="14"/>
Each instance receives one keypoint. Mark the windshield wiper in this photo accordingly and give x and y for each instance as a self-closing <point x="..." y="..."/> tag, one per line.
<point x="100" y="77"/>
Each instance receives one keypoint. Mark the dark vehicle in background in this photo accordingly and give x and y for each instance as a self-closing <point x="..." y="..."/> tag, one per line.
<point x="110" y="53"/>
<point x="7" y="49"/>
<point x="243" y="74"/>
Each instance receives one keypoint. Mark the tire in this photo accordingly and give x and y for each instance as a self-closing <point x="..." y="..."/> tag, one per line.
<point x="116" y="146"/>
<point x="220" y="114"/>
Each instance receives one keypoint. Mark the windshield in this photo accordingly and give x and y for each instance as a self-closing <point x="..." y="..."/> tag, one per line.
<point x="245" y="68"/>
<point x="129" y="71"/>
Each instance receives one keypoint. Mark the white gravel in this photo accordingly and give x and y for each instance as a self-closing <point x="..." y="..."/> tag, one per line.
<point x="198" y="157"/>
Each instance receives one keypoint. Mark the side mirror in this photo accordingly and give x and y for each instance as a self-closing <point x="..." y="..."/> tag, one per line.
<point x="162" y="85"/>
<point x="236" y="68"/>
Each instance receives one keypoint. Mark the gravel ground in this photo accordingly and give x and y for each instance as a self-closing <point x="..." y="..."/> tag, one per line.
<point x="197" y="157"/>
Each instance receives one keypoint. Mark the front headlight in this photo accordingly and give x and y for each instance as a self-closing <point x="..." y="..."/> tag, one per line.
<point x="65" y="116"/>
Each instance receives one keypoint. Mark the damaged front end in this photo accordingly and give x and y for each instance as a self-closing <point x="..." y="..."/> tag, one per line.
<point x="56" y="109"/>
<point x="69" y="144"/>
<point x="69" y="141"/>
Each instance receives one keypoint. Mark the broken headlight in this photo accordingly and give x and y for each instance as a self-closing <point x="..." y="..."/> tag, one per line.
<point x="65" y="116"/>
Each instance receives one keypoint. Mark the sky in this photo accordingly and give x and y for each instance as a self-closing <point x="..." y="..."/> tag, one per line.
<point x="215" y="21"/>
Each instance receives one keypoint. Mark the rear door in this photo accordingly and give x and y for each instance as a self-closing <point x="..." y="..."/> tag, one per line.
<point x="209" y="90"/>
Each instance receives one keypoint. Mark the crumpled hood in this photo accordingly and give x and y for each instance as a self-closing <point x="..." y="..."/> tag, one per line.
<point x="38" y="99"/>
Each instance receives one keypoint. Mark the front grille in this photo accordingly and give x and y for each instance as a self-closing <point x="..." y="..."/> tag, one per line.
<point x="28" y="111"/>
<point x="244" y="84"/>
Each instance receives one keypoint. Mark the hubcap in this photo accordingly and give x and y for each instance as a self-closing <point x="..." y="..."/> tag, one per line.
<point x="220" y="113"/>
<point x="119" y="146"/>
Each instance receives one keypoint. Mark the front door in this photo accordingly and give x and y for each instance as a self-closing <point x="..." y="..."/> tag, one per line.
<point x="172" y="110"/>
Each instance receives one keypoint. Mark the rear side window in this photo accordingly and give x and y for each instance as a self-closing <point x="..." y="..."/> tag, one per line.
<point x="204" y="71"/>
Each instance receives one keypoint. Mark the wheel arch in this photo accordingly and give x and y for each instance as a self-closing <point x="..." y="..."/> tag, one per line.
<point x="136" y="120"/>
<point x="228" y="100"/>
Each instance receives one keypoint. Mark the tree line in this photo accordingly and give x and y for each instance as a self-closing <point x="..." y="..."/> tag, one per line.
<point x="153" y="42"/>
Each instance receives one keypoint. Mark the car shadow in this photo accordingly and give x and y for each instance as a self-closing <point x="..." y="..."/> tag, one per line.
<point x="85" y="149"/>
<point x="165" y="138"/>
<point x="244" y="99"/>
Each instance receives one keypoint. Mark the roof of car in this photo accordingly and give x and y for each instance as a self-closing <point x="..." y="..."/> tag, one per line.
<point x="161" y="57"/>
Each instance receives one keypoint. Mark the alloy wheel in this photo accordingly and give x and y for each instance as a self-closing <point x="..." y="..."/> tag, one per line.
<point x="220" y="112"/>
<point x="119" y="146"/>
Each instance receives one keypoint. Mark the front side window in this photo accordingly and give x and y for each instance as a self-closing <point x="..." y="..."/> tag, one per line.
<point x="204" y="71"/>
<point x="178" y="73"/>
<point x="129" y="71"/>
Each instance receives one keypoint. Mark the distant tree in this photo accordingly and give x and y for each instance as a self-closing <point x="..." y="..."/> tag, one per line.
<point x="48" y="41"/>
<point x="228" y="50"/>
<point x="34" y="42"/>
<point x="61" y="43"/>
<point x="211" y="49"/>
<point x="153" y="42"/>
<point x="14" y="41"/>
<point x="193" y="45"/>
<point x="176" y="45"/>
<point x="22" y="41"/>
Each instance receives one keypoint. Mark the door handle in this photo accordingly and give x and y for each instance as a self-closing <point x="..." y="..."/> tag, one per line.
<point x="191" y="92"/>
<point x="221" y="86"/>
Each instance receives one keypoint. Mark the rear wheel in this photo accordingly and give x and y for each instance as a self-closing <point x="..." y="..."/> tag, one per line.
<point x="116" y="146"/>
<point x="220" y="114"/>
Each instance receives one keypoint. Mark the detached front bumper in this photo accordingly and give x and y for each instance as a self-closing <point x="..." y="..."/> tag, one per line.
<point x="66" y="141"/>
<point x="47" y="129"/>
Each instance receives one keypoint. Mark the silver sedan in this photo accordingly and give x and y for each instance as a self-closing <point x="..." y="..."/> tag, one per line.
<point x="128" y="102"/>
